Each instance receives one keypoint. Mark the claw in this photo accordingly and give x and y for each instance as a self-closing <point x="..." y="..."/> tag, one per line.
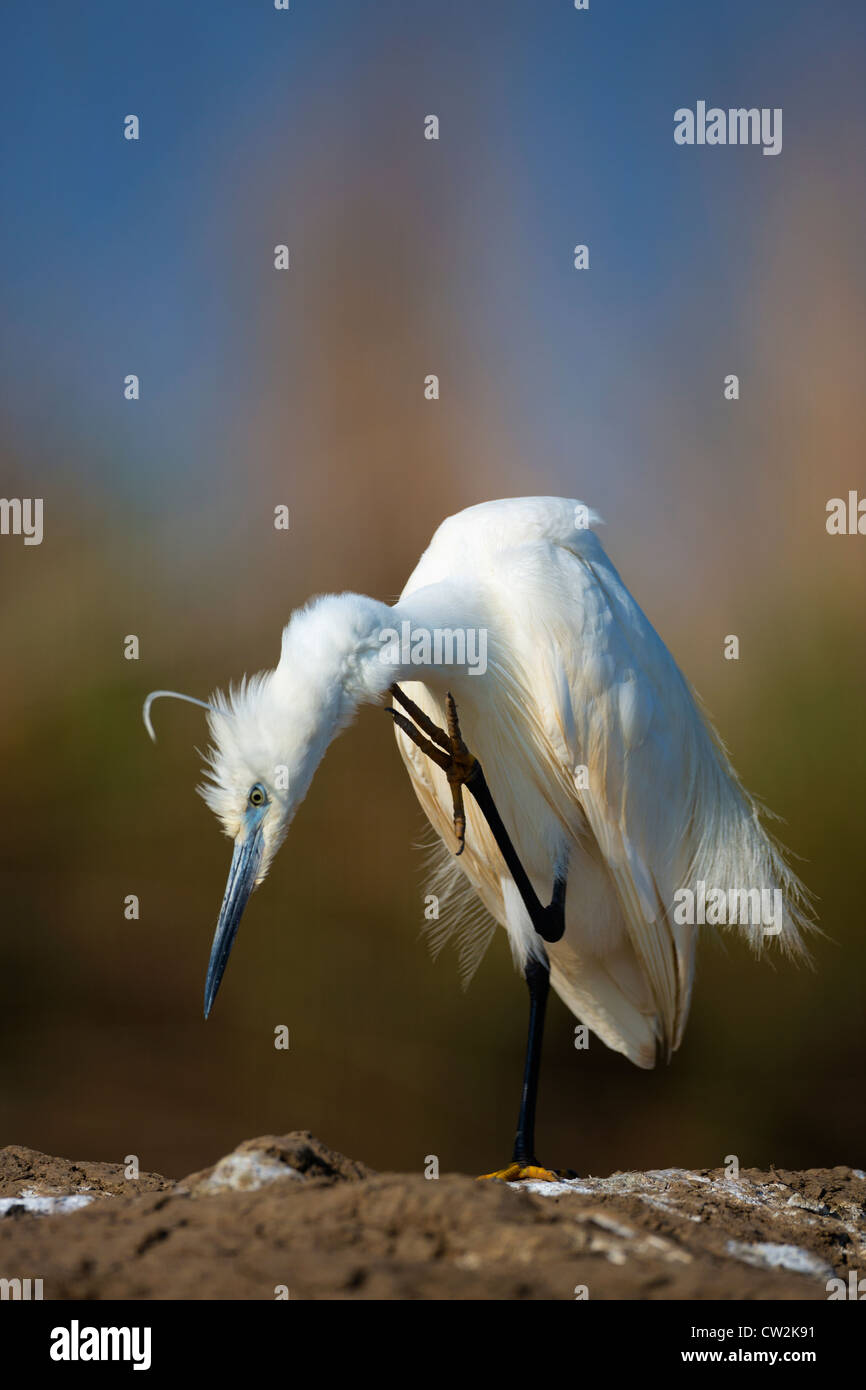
<point x="423" y="743"/>
<point x="421" y="719"/>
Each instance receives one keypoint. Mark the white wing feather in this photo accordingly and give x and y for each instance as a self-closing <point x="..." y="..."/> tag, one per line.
<point x="579" y="679"/>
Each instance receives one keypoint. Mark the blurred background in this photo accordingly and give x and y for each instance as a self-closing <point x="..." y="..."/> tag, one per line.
<point x="305" y="388"/>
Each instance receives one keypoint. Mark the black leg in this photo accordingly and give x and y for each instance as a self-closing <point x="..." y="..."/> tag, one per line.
<point x="464" y="770"/>
<point x="537" y="975"/>
<point x="548" y="921"/>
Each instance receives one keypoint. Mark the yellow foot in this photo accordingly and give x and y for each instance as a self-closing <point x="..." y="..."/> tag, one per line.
<point x="515" y="1173"/>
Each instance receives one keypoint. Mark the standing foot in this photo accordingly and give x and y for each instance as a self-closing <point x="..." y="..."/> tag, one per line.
<point x="516" y="1172"/>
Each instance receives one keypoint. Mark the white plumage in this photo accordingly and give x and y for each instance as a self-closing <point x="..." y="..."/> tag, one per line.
<point x="578" y="678"/>
<point x="593" y="746"/>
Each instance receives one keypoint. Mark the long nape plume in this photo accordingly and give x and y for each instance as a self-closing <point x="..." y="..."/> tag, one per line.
<point x="172" y="695"/>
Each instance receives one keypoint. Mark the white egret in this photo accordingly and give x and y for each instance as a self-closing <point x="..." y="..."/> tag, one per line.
<point x="605" y="795"/>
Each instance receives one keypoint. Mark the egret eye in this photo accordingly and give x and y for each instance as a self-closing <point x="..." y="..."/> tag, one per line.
<point x="258" y="796"/>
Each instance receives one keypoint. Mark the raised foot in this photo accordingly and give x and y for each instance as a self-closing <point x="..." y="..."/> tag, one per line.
<point x="445" y="748"/>
<point x="516" y="1172"/>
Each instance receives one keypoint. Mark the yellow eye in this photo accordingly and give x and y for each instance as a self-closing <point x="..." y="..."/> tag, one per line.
<point x="257" y="796"/>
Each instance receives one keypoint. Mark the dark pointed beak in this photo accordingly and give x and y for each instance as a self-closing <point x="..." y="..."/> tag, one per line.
<point x="242" y="880"/>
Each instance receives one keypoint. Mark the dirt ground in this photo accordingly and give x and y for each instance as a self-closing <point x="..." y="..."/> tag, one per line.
<point x="289" y="1217"/>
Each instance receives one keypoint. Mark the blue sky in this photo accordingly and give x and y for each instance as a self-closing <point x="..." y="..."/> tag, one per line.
<point x="557" y="127"/>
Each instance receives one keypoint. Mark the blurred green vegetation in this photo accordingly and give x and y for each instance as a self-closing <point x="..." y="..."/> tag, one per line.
<point x="104" y="1048"/>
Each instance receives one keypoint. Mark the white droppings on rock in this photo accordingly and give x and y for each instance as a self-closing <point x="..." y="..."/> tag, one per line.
<point x="38" y="1204"/>
<point x="550" y="1189"/>
<point x="654" y="1182"/>
<point x="654" y="1188"/>
<point x="246" y="1171"/>
<point x="620" y="1243"/>
<point x="670" y="1190"/>
<point x="617" y="1228"/>
<point x="765" y="1254"/>
<point x="669" y="1208"/>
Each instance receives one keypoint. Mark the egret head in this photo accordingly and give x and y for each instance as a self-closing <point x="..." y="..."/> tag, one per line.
<point x="248" y="787"/>
<point x="269" y="735"/>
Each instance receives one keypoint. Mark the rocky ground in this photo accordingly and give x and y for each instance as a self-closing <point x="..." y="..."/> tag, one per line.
<point x="288" y="1216"/>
